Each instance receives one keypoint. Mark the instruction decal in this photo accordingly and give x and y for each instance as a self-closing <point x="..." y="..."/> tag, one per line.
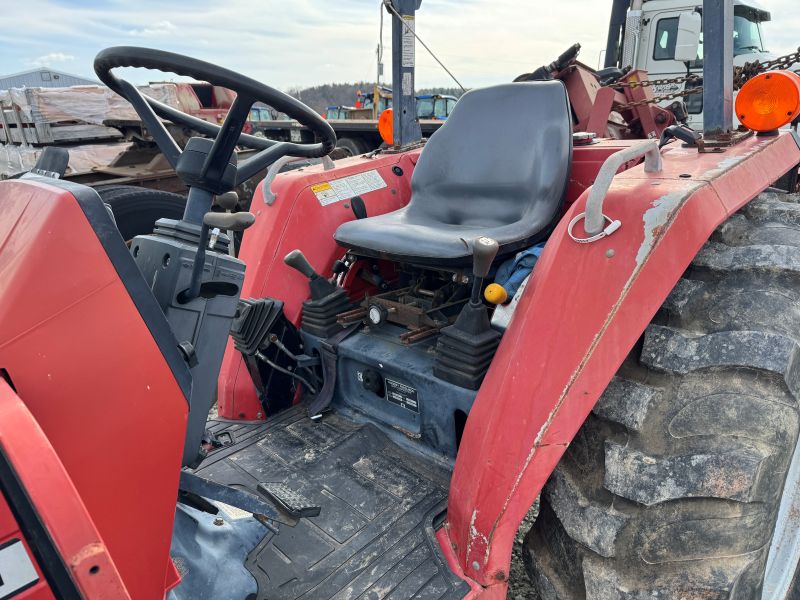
<point x="408" y="41"/>
<point x="347" y="187"/>
<point x="408" y="85"/>
<point x="402" y="395"/>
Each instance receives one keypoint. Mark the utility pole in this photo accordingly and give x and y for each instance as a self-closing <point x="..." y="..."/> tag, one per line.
<point x="717" y="67"/>
<point x="404" y="107"/>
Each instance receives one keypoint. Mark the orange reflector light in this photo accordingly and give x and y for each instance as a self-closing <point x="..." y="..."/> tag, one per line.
<point x="386" y="126"/>
<point x="769" y="100"/>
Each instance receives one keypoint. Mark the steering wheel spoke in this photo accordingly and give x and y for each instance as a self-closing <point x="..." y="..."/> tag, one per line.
<point x="228" y="137"/>
<point x="213" y="174"/>
<point x="165" y="142"/>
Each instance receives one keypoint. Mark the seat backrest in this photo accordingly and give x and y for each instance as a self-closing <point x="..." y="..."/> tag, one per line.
<point x="503" y="155"/>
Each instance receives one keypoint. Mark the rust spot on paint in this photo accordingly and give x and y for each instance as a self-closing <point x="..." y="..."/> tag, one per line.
<point x="85" y="553"/>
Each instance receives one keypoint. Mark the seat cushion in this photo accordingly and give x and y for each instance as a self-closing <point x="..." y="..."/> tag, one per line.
<point x="401" y="236"/>
<point x="498" y="167"/>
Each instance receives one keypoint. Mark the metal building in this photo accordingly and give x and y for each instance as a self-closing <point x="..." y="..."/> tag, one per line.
<point x="43" y="77"/>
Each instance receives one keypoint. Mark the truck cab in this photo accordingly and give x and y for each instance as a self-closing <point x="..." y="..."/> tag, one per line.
<point x="649" y="41"/>
<point x="435" y="106"/>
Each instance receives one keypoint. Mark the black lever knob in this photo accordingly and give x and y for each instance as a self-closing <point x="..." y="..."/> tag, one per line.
<point x="227" y="201"/>
<point x="319" y="286"/>
<point x="229" y="221"/>
<point x="358" y="206"/>
<point x="484" y="251"/>
<point x="297" y="260"/>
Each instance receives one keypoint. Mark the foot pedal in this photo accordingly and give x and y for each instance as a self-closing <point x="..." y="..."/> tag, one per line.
<point x="294" y="503"/>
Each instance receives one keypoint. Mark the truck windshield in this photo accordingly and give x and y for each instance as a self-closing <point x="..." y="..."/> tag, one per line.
<point x="440" y="111"/>
<point x="425" y="108"/>
<point x="746" y="36"/>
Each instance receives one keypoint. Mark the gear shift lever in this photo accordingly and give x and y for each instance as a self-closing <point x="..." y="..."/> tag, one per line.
<point x="484" y="251"/>
<point x="466" y="348"/>
<point x="327" y="299"/>
<point x="319" y="286"/>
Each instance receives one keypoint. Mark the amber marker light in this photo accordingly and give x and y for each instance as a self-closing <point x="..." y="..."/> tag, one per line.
<point x="769" y="100"/>
<point x="386" y="127"/>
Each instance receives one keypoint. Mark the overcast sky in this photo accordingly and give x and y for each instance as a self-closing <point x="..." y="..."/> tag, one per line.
<point x="288" y="43"/>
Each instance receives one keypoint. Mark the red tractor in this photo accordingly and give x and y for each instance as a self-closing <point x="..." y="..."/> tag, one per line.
<point x="383" y="428"/>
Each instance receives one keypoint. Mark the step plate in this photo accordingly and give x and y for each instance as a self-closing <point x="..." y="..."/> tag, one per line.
<point x="374" y="535"/>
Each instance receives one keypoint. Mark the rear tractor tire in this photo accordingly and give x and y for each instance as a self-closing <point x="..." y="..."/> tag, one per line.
<point x="673" y="487"/>
<point x="348" y="147"/>
<point x="136" y="209"/>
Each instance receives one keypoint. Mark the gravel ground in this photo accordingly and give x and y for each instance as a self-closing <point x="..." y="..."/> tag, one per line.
<point x="519" y="585"/>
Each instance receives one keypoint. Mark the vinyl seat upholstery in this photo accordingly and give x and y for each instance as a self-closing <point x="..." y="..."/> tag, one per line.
<point x="498" y="167"/>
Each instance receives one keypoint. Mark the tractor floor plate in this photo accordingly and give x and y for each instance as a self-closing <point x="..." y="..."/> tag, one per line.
<point x="374" y="537"/>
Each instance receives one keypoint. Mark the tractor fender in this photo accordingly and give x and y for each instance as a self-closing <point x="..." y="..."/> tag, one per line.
<point x="586" y="306"/>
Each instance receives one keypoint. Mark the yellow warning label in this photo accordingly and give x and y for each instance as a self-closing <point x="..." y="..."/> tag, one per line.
<point x="338" y="190"/>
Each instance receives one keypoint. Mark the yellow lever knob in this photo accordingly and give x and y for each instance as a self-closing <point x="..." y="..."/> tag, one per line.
<point x="495" y="293"/>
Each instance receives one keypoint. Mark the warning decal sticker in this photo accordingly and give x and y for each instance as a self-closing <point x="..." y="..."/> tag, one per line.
<point x="347" y="187"/>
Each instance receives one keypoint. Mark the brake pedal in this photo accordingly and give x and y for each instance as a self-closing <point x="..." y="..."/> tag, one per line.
<point x="293" y="503"/>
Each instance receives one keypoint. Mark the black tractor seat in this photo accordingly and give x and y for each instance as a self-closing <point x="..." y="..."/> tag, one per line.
<point x="498" y="167"/>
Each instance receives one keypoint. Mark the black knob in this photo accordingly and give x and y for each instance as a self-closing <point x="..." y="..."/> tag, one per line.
<point x="372" y="381"/>
<point x="227" y="201"/>
<point x="299" y="262"/>
<point x="377" y="314"/>
<point x="358" y="206"/>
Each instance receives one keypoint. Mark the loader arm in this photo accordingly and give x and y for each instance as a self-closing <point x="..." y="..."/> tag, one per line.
<point x="585" y="309"/>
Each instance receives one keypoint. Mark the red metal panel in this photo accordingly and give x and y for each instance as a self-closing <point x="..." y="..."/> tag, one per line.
<point x="88" y="369"/>
<point x="298" y="220"/>
<point x="44" y="478"/>
<point x="586" y="163"/>
<point x="583" y="312"/>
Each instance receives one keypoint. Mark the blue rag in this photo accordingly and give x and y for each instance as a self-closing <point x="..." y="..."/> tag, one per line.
<point x="513" y="272"/>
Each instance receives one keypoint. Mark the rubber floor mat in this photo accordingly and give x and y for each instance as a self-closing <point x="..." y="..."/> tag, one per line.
<point x="374" y="537"/>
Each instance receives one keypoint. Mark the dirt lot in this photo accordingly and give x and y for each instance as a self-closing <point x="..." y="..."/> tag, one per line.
<point x="519" y="586"/>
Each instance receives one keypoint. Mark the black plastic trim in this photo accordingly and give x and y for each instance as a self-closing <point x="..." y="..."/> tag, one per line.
<point x="39" y="541"/>
<point x="120" y="257"/>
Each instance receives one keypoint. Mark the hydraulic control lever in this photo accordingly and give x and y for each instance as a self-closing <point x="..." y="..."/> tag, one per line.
<point x="465" y="349"/>
<point x="686" y="135"/>
<point x="484" y="251"/>
<point x="319" y="286"/>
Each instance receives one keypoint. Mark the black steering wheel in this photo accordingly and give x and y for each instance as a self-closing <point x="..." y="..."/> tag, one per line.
<point x="212" y="168"/>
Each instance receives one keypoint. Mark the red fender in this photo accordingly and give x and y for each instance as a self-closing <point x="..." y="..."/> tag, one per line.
<point x="584" y="310"/>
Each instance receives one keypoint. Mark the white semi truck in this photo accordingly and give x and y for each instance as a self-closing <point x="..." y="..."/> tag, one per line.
<point x="655" y="35"/>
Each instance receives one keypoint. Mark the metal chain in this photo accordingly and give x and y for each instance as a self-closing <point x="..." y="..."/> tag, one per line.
<point x="745" y="73"/>
<point x="741" y="75"/>
<point x="662" y="98"/>
<point x="653" y="82"/>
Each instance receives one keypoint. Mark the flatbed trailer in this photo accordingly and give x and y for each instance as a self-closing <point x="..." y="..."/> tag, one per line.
<point x="355" y="136"/>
